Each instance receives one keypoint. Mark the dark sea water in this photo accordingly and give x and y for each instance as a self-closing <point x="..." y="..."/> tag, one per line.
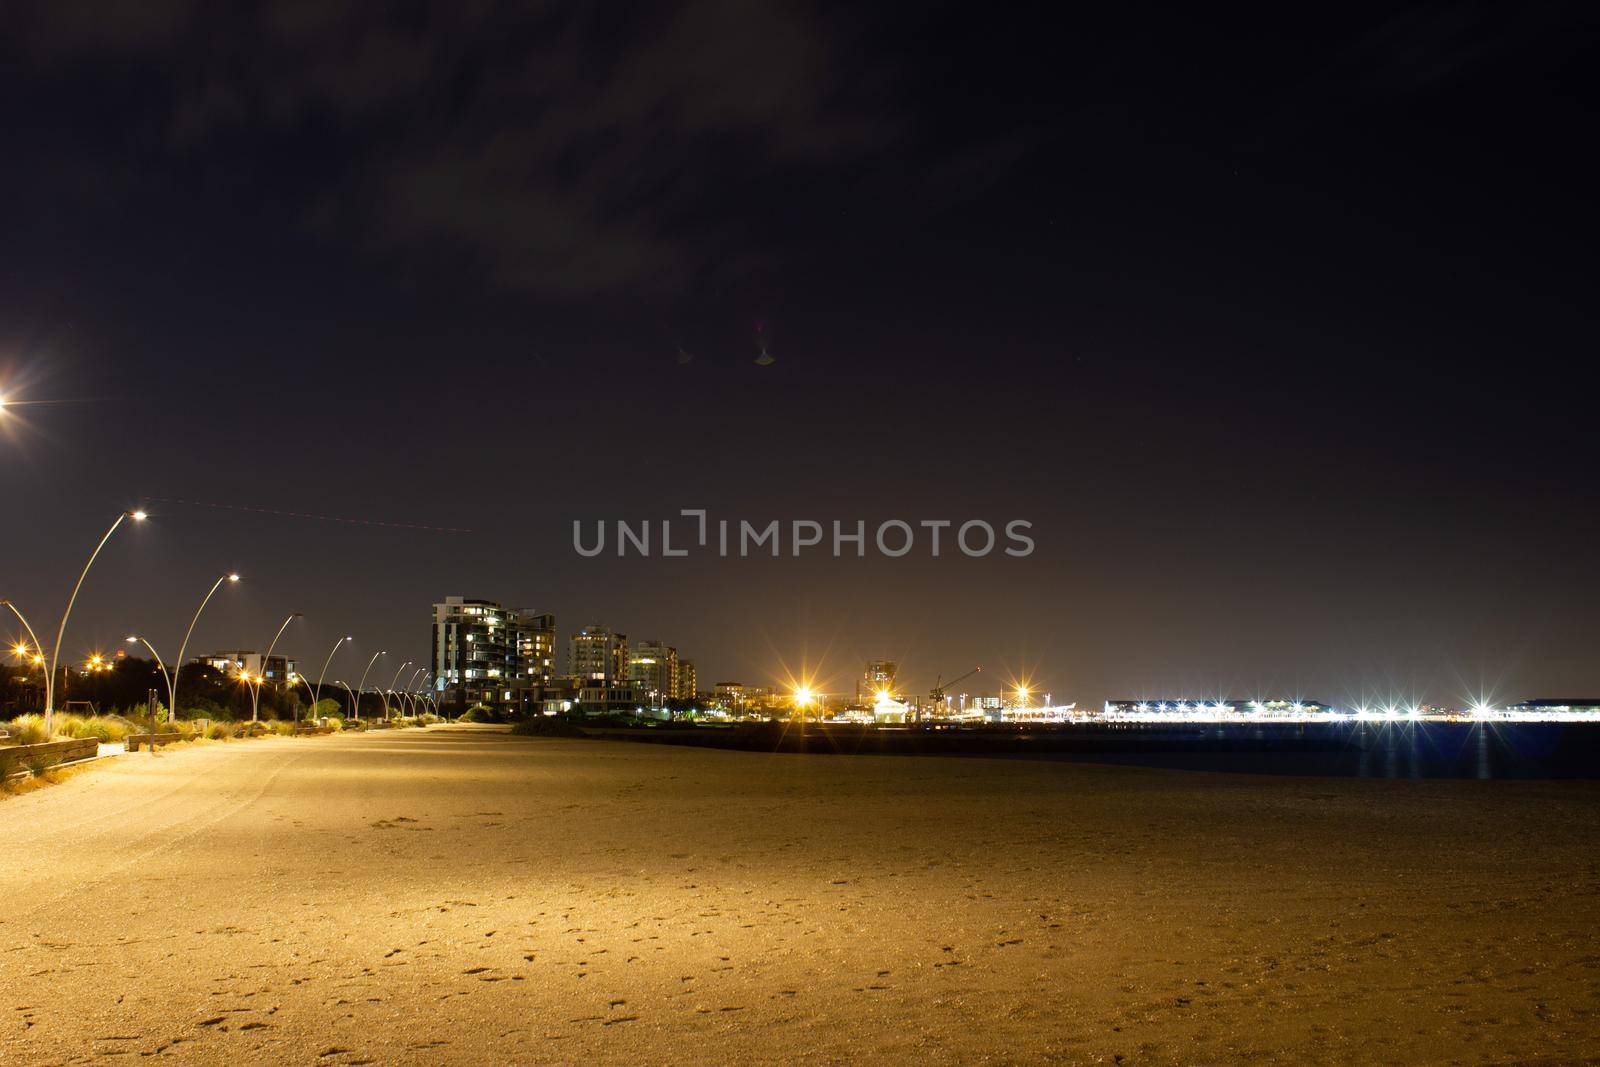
<point x="1346" y="749"/>
<point x="1372" y="750"/>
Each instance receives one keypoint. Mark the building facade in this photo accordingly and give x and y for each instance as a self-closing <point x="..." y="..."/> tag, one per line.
<point x="598" y="654"/>
<point x="485" y="653"/>
<point x="275" y="668"/>
<point x="653" y="668"/>
<point x="688" y="683"/>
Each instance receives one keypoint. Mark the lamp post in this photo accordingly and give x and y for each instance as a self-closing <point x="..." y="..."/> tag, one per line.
<point x="303" y="680"/>
<point x="361" y="687"/>
<point x="255" y="693"/>
<point x="316" y="696"/>
<point x="411" y="703"/>
<point x="355" y="705"/>
<point x="427" y="692"/>
<point x="55" y="653"/>
<point x="38" y="649"/>
<point x="177" y="665"/>
<point x="172" y="687"/>
<point x="392" y="683"/>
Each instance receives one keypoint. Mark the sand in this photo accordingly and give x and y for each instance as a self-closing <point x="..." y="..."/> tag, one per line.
<point x="459" y="895"/>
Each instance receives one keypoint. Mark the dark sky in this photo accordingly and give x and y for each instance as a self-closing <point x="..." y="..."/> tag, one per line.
<point x="1278" y="325"/>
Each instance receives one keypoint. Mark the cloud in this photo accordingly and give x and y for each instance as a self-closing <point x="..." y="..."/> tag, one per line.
<point x="561" y="150"/>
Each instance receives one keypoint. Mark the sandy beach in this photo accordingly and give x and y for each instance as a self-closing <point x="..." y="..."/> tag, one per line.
<point x="459" y="895"/>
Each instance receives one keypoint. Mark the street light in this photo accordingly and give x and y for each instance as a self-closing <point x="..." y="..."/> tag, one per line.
<point x="411" y="685"/>
<point x="255" y="693"/>
<point x="392" y="683"/>
<point x="355" y="705"/>
<point x="316" y="696"/>
<point x="20" y="649"/>
<point x="361" y="687"/>
<point x="177" y="665"/>
<point x="172" y="688"/>
<point x="802" y="697"/>
<point x="55" y="653"/>
<point x="303" y="680"/>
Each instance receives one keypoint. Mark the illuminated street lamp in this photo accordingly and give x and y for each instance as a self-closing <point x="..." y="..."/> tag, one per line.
<point x="21" y="649"/>
<point x="408" y="696"/>
<point x="303" y="680"/>
<point x="55" y="653"/>
<point x="255" y="693"/>
<point x="316" y="695"/>
<point x="183" y="648"/>
<point x="361" y="687"/>
<point x="1022" y="696"/>
<point x="355" y="705"/>
<point x="392" y="683"/>
<point x="172" y="688"/>
<point x="803" y="696"/>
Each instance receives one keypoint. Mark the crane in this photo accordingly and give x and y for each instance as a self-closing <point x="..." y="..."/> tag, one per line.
<point x="939" y="686"/>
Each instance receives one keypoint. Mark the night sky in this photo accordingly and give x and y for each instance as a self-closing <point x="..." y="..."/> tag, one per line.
<point x="1278" y="326"/>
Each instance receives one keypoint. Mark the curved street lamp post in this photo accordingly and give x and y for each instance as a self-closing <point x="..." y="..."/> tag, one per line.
<point x="255" y="692"/>
<point x="177" y="664"/>
<point x="172" y="697"/>
<point x="55" y="653"/>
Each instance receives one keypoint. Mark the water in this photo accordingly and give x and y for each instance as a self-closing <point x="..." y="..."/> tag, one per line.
<point x="1343" y="749"/>
<point x="1372" y="750"/>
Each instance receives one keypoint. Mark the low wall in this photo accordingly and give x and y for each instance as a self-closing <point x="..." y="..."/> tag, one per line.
<point x="137" y="739"/>
<point x="20" y="760"/>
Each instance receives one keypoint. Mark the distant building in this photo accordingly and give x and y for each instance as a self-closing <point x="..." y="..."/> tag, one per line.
<point x="598" y="654"/>
<point x="597" y="696"/>
<point x="879" y="678"/>
<point x="1559" y="707"/>
<point x="484" y="653"/>
<point x="741" y="699"/>
<point x="537" y="646"/>
<point x="688" y="684"/>
<point x="1182" y="707"/>
<point x="653" y="667"/>
<point x="276" y="668"/>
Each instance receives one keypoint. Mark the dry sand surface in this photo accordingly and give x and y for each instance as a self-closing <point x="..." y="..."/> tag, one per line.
<point x="459" y="895"/>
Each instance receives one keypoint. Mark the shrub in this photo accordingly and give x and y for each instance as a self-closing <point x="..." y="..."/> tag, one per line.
<point x="106" y="728"/>
<point x="480" y="713"/>
<point x="29" y="730"/>
<point x="186" y="730"/>
<point x="281" y="727"/>
<point x="220" y="731"/>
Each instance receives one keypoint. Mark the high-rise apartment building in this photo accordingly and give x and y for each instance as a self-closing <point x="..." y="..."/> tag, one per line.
<point x="598" y="654"/>
<point x="688" y="683"/>
<point x="653" y="667"/>
<point x="484" y="653"/>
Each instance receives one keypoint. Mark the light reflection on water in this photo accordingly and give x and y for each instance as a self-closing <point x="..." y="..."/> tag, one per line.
<point x="1400" y="750"/>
